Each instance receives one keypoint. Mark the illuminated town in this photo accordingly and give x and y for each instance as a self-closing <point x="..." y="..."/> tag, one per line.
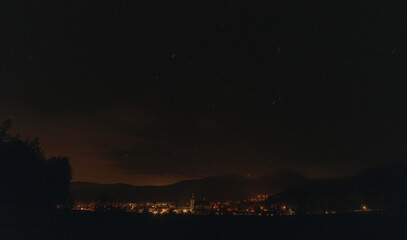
<point x="260" y="205"/>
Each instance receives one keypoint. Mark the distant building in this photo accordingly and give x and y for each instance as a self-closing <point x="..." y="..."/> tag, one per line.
<point x="192" y="204"/>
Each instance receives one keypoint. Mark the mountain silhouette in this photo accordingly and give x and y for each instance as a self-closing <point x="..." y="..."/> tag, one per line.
<point x="383" y="187"/>
<point x="214" y="188"/>
<point x="378" y="188"/>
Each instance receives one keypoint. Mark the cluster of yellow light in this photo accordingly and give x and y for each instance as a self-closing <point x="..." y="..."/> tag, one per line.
<point x="245" y="207"/>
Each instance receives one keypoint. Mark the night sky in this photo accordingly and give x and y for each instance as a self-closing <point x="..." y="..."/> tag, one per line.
<point x="148" y="92"/>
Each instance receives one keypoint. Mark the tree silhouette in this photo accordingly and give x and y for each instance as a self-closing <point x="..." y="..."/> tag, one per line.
<point x="58" y="178"/>
<point x="27" y="179"/>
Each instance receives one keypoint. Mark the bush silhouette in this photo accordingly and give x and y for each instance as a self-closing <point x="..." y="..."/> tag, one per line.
<point x="27" y="179"/>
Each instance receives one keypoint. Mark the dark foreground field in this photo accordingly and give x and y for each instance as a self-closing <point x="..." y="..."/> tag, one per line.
<point x="82" y="225"/>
